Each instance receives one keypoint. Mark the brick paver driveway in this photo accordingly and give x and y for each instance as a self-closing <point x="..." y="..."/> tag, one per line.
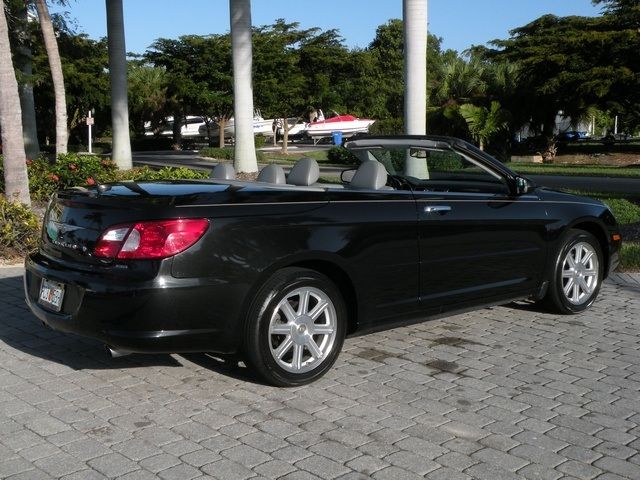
<point x="506" y="392"/>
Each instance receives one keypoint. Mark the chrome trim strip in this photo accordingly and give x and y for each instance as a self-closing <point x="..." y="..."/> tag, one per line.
<point x="423" y="200"/>
<point x="488" y="200"/>
<point x="321" y="202"/>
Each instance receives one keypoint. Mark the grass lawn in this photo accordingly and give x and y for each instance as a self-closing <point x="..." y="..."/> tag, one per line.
<point x="627" y="212"/>
<point x="577" y="170"/>
<point x="287" y="160"/>
<point x="630" y="257"/>
<point x="626" y="209"/>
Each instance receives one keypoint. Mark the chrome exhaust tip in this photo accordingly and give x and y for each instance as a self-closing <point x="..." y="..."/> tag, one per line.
<point x="115" y="353"/>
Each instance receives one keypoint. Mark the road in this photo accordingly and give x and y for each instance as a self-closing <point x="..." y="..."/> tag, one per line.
<point x="508" y="392"/>
<point x="588" y="184"/>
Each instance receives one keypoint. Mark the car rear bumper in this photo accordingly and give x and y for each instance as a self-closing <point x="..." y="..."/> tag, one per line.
<point x="159" y="315"/>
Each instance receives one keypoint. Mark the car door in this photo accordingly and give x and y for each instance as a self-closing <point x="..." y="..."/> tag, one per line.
<point x="477" y="242"/>
<point x="376" y="233"/>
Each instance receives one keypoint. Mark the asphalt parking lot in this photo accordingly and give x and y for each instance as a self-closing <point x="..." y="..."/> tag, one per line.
<point x="506" y="392"/>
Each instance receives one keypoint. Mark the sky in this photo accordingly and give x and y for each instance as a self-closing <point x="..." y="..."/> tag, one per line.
<point x="460" y="23"/>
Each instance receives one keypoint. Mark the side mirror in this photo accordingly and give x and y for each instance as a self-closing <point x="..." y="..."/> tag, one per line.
<point x="347" y="175"/>
<point x="523" y="185"/>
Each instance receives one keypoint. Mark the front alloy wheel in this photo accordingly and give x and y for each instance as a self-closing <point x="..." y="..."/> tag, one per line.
<point x="580" y="273"/>
<point x="577" y="274"/>
<point x="295" y="327"/>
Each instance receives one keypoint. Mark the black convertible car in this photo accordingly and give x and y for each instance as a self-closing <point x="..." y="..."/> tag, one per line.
<point x="281" y="269"/>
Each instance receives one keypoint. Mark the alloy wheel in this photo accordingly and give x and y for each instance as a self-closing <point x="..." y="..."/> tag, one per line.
<point x="302" y="330"/>
<point x="580" y="273"/>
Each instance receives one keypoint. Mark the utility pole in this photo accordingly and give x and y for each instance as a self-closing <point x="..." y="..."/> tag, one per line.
<point x="90" y="125"/>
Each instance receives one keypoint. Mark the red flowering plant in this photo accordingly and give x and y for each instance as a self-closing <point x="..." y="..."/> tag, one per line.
<point x="70" y="170"/>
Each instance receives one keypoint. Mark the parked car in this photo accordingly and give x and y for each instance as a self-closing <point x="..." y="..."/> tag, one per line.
<point x="572" y="136"/>
<point x="282" y="269"/>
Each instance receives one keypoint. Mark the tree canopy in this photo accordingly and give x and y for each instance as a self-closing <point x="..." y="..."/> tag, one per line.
<point x="580" y="66"/>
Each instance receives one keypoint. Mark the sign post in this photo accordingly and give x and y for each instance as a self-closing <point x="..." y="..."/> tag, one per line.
<point x="90" y="122"/>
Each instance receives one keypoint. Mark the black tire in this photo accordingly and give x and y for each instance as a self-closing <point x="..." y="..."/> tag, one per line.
<point x="266" y="317"/>
<point x="583" y="291"/>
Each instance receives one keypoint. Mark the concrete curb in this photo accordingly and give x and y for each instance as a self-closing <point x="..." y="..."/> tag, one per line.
<point x="12" y="265"/>
<point x="630" y="279"/>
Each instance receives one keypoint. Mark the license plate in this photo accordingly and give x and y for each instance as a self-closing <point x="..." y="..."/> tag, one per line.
<point x="51" y="294"/>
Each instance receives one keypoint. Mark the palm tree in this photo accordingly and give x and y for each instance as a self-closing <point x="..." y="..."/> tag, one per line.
<point x="16" y="182"/>
<point x="485" y="123"/>
<point x="462" y="81"/>
<point x="414" y="13"/>
<point x="55" y="65"/>
<point x="121" y="148"/>
<point x="23" y="61"/>
<point x="245" y="151"/>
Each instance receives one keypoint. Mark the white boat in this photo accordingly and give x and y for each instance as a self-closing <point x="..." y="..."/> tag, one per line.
<point x="347" y="124"/>
<point x="296" y="126"/>
<point x="261" y="126"/>
<point x="190" y="127"/>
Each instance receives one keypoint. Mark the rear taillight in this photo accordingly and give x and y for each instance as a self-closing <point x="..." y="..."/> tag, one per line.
<point x="152" y="239"/>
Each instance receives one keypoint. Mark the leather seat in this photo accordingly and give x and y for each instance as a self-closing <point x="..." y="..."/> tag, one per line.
<point x="371" y="175"/>
<point x="304" y="173"/>
<point x="223" y="171"/>
<point x="272" y="174"/>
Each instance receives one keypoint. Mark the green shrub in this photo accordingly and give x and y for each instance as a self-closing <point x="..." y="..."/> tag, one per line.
<point x="166" y="173"/>
<point x="389" y="126"/>
<point x="259" y="141"/>
<point x="630" y="256"/>
<point x="624" y="210"/>
<point x="19" y="229"/>
<point x="96" y="148"/>
<point x="341" y="156"/>
<point x="72" y="170"/>
<point x="226" y="153"/>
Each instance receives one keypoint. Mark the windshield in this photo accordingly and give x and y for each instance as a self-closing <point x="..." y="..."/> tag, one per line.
<point x="433" y="168"/>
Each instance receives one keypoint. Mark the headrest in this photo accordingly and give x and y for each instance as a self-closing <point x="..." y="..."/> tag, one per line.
<point x="371" y="175"/>
<point x="223" y="171"/>
<point x="305" y="172"/>
<point x="272" y="174"/>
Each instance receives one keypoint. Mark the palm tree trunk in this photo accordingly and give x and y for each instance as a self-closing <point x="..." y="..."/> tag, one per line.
<point x="23" y="62"/>
<point x="16" y="181"/>
<point x="121" y="148"/>
<point x="415" y="66"/>
<point x="222" y="123"/>
<point x="414" y="13"/>
<point x="178" y="121"/>
<point x="245" y="151"/>
<point x="55" y="65"/>
<point x="285" y="136"/>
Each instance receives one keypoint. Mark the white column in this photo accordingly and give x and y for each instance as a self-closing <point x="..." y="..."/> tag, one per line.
<point x="121" y="149"/>
<point x="415" y="66"/>
<point x="245" y="152"/>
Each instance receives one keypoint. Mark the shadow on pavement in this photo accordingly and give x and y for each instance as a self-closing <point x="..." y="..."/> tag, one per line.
<point x="227" y="366"/>
<point x="22" y="331"/>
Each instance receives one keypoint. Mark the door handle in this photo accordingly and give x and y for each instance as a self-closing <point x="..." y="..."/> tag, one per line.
<point x="439" y="209"/>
